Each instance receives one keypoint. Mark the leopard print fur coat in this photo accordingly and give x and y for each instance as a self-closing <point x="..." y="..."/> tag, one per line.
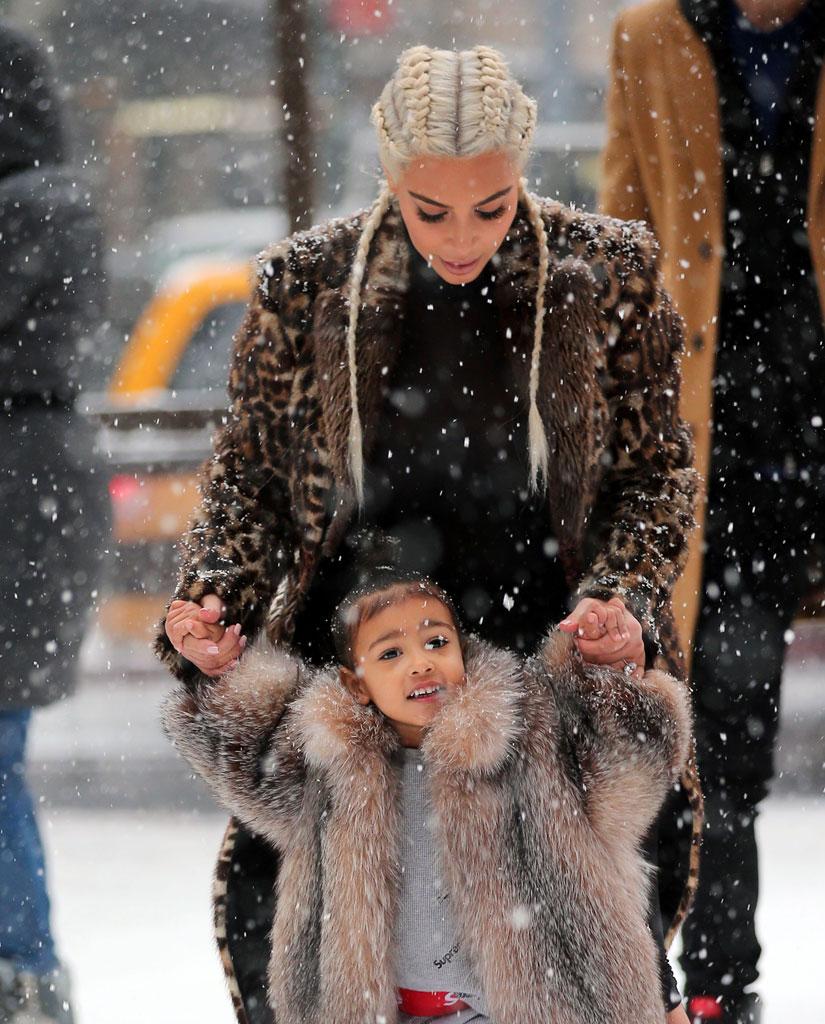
<point x="276" y="497"/>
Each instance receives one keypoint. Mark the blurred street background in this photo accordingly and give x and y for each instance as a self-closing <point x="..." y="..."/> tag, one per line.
<point x="177" y="116"/>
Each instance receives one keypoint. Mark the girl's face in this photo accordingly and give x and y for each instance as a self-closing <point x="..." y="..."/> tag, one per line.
<point x="458" y="210"/>
<point x="407" y="658"/>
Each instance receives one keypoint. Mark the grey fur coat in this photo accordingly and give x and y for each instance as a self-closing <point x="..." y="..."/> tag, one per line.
<point x="544" y="777"/>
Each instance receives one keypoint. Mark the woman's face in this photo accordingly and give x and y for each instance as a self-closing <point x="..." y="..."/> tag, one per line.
<point x="458" y="210"/>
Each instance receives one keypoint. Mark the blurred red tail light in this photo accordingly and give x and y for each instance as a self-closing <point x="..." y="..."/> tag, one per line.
<point x="123" y="488"/>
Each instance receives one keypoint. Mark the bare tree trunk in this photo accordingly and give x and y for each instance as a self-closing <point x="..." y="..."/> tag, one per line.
<point x="291" y="60"/>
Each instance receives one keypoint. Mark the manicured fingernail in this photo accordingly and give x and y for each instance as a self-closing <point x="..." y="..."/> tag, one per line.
<point x="237" y="628"/>
<point x="242" y="642"/>
<point x="212" y="649"/>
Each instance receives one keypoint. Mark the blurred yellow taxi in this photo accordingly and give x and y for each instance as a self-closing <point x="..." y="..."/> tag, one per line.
<point x="192" y="306"/>
<point x="180" y="346"/>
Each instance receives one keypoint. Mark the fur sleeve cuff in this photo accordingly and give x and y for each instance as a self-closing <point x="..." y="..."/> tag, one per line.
<point x="616" y="716"/>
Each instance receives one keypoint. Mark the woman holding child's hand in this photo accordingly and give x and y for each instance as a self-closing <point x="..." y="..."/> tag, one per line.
<point x="607" y="634"/>
<point x="486" y="377"/>
<point x="195" y="631"/>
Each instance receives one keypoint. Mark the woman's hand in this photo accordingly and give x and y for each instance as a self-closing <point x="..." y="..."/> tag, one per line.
<point x="607" y="634"/>
<point x="678" y="1015"/>
<point x="194" y="631"/>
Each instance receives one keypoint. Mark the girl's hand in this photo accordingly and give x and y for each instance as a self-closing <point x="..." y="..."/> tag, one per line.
<point x="607" y="634"/>
<point x="195" y="631"/>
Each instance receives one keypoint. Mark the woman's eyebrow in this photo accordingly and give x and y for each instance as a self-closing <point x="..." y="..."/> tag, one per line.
<point x="483" y="202"/>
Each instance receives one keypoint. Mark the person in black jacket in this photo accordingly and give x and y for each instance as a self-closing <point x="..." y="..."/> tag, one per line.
<point x="50" y="299"/>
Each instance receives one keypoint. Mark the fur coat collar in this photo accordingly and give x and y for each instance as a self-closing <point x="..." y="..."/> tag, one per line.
<point x="475" y="732"/>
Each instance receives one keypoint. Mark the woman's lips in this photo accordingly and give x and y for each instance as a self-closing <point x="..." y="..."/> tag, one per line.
<point x="460" y="268"/>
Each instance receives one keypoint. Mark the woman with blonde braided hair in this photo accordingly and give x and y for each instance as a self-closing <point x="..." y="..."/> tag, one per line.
<point x="465" y="380"/>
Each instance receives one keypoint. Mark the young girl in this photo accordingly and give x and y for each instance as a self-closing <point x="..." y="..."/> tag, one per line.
<point x="459" y="828"/>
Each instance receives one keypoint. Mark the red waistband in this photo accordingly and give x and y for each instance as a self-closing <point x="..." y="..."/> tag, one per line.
<point x="429" y="1004"/>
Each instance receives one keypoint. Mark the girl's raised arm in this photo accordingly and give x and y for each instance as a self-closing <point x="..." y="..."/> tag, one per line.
<point x="630" y="736"/>
<point x="235" y="732"/>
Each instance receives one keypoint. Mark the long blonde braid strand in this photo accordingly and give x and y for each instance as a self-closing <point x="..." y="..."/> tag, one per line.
<point x="539" y="453"/>
<point x="359" y="265"/>
<point x="496" y="100"/>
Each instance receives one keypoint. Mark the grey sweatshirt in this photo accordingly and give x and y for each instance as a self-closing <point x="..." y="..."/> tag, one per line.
<point x="430" y="955"/>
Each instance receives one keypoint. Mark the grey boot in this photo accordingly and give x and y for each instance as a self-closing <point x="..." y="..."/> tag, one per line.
<point x="29" y="998"/>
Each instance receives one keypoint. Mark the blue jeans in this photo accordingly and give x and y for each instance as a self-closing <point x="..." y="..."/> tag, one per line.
<point x="25" y="935"/>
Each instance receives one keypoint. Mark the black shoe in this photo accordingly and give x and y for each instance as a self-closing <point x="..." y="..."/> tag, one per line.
<point x="29" y="998"/>
<point x="744" y="1009"/>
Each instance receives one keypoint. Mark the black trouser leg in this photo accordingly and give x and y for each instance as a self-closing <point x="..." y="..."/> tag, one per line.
<point x="756" y="572"/>
<point x="736" y="679"/>
<point x="674" y="827"/>
<point x="250" y="904"/>
<point x="721" y="947"/>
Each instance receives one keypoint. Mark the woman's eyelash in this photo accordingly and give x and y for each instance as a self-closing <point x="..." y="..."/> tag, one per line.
<point x="431" y="218"/>
<point x="435" y="218"/>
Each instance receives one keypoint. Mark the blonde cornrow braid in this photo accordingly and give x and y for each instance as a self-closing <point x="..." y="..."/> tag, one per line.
<point x="415" y="84"/>
<point x="385" y="140"/>
<point x="496" y="100"/>
<point x="359" y="266"/>
<point x="452" y="104"/>
<point x="529" y="127"/>
<point x="539" y="455"/>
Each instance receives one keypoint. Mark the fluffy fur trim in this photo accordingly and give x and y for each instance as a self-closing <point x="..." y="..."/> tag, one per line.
<point x="480" y="724"/>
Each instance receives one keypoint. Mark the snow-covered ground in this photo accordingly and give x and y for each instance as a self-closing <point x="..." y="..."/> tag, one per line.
<point x="131" y="911"/>
<point x="132" y="915"/>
